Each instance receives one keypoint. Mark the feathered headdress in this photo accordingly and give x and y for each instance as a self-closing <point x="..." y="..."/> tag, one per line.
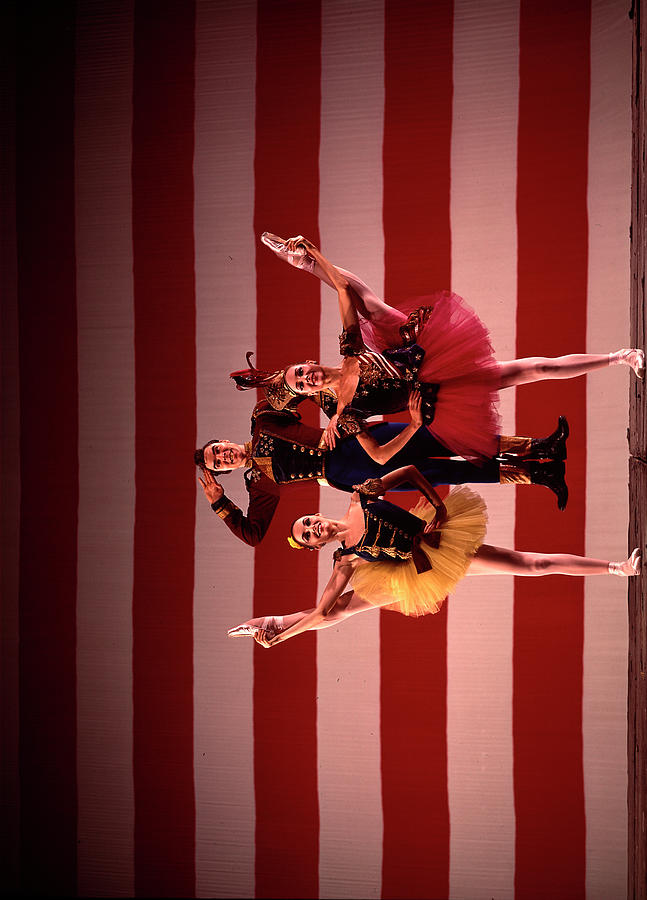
<point x="277" y="391"/>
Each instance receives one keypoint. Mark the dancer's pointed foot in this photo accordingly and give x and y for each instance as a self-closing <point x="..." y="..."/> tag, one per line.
<point x="629" y="567"/>
<point x="242" y="630"/>
<point x="298" y="257"/>
<point x="633" y="357"/>
<point x="271" y="625"/>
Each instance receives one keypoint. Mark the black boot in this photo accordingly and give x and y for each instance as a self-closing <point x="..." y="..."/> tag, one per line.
<point x="553" y="446"/>
<point x="551" y="475"/>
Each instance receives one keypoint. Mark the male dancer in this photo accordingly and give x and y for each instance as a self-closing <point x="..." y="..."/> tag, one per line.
<point x="284" y="451"/>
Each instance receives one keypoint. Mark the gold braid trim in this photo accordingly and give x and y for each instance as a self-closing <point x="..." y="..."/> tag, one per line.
<point x="415" y="323"/>
<point x="264" y="463"/>
<point x="520" y="446"/>
<point x="512" y="475"/>
<point x="225" y="510"/>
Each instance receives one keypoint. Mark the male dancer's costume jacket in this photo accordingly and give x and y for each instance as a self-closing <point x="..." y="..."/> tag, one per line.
<point x="285" y="451"/>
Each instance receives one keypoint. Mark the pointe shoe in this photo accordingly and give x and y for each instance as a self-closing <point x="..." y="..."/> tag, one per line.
<point x="242" y="630"/>
<point x="635" y="358"/>
<point x="271" y="625"/>
<point x="629" y="567"/>
<point x="298" y="258"/>
<point x="553" y="446"/>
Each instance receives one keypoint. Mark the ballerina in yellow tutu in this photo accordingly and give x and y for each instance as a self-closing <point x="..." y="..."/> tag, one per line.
<point x="409" y="561"/>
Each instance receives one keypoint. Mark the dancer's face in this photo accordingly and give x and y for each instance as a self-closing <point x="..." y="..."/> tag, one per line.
<point x="305" y="378"/>
<point x="313" y="530"/>
<point x="224" y="455"/>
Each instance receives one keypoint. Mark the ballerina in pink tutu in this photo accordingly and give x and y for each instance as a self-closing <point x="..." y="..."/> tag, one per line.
<point x="436" y="343"/>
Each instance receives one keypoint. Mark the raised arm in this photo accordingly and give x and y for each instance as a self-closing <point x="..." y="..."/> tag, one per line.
<point x="382" y="453"/>
<point x="263" y="500"/>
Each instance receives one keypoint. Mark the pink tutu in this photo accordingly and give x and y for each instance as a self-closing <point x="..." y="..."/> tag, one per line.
<point x="459" y="357"/>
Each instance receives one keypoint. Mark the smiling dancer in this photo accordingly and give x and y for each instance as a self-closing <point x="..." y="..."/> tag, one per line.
<point x="409" y="561"/>
<point x="283" y="452"/>
<point x="436" y="343"/>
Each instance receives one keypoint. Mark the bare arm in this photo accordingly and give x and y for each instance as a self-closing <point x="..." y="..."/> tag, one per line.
<point x="349" y="604"/>
<point x="346" y="391"/>
<point x="331" y="594"/>
<point x="414" y="476"/>
<point x="375" y="487"/>
<point x="348" y="382"/>
<point x="382" y="453"/>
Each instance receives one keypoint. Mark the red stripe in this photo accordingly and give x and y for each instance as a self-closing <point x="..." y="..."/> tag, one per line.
<point x="164" y="290"/>
<point x="49" y="446"/>
<point x="286" y="202"/>
<point x="417" y="142"/>
<point x="551" y="320"/>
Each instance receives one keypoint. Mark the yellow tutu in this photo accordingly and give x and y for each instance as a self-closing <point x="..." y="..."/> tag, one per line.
<point x="412" y="594"/>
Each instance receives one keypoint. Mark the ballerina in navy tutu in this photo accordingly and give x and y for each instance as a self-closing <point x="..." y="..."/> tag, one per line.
<point x="435" y="343"/>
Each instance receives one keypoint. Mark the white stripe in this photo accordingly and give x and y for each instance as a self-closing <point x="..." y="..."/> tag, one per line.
<point x="348" y="659"/>
<point x="225" y="328"/>
<point x="479" y="629"/>
<point x="604" y="713"/>
<point x="104" y="55"/>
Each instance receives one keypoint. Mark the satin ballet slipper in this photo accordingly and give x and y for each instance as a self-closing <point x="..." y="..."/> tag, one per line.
<point x="298" y="258"/>
<point x="633" y="357"/>
<point x="242" y="630"/>
<point x="628" y="567"/>
<point x="271" y="624"/>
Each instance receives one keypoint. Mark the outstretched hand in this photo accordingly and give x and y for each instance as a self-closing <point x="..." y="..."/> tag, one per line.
<point x="415" y="408"/>
<point x="331" y="433"/>
<point x="438" y="520"/>
<point x="212" y="490"/>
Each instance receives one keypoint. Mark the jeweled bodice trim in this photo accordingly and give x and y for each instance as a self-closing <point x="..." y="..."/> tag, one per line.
<point x="285" y="461"/>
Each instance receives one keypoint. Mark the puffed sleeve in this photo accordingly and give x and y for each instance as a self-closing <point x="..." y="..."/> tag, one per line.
<point x="350" y="341"/>
<point x="350" y="422"/>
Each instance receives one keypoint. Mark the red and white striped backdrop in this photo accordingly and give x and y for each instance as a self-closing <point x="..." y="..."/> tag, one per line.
<point x="477" y="753"/>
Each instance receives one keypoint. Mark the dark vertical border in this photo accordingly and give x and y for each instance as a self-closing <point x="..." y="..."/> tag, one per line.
<point x="416" y="160"/>
<point x="164" y="292"/>
<point x="9" y="459"/>
<point x="286" y="165"/>
<point x="48" y="444"/>
<point x="551" y="320"/>
<point x="637" y="693"/>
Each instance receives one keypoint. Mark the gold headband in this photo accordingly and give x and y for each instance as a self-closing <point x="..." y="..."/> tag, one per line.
<point x="295" y="544"/>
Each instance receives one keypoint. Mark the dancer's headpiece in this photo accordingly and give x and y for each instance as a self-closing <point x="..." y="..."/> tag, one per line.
<point x="277" y="390"/>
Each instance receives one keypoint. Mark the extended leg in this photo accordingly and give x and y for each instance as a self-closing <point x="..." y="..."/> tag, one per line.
<point x="540" y="368"/>
<point x="365" y="301"/>
<point x="491" y="560"/>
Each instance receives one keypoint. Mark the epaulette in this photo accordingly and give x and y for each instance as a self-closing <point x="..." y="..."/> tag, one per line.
<point x="265" y="410"/>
